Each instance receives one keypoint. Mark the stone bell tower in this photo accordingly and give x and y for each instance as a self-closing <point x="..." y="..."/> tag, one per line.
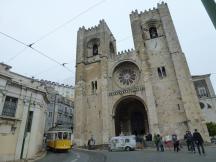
<point x="146" y="89"/>
<point x="168" y="78"/>
<point x="94" y="47"/>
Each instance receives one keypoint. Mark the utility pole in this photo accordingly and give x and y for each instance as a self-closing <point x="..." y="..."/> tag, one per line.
<point x="210" y="6"/>
<point x="25" y="130"/>
<point x="54" y="108"/>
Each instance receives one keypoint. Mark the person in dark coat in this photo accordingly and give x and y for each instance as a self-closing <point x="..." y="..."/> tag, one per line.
<point x="198" y="141"/>
<point x="161" y="143"/>
<point x="175" y="143"/>
<point x="156" y="141"/>
<point x="190" y="141"/>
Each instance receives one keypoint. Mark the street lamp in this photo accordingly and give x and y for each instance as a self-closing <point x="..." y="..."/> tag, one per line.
<point x="54" y="108"/>
<point x="210" y="7"/>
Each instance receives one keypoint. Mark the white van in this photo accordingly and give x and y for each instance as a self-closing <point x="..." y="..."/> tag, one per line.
<point x="127" y="143"/>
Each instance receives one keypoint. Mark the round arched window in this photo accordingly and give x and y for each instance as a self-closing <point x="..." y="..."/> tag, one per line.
<point x="126" y="74"/>
<point x="202" y="105"/>
<point x="153" y="32"/>
<point x="209" y="106"/>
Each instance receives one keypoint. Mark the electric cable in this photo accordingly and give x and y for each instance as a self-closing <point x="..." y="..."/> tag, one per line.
<point x="34" y="49"/>
<point x="47" y="34"/>
<point x="16" y="55"/>
<point x="69" y="21"/>
<point x="13" y="38"/>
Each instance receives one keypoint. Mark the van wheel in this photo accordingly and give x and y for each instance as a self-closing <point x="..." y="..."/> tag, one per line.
<point x="127" y="148"/>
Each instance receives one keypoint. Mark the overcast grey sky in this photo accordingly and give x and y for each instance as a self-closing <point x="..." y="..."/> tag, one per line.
<point x="28" y="20"/>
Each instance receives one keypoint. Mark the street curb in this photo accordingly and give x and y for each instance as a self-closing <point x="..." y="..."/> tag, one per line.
<point x="86" y="150"/>
<point x="40" y="156"/>
<point x="145" y="149"/>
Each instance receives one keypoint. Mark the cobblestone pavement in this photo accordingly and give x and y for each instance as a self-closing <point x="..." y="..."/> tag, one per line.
<point x="147" y="155"/>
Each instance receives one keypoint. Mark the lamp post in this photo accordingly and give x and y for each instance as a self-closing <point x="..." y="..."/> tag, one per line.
<point x="54" y="113"/>
<point x="210" y="6"/>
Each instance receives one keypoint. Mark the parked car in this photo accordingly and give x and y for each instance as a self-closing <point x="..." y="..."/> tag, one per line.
<point x="213" y="140"/>
<point x="123" y="143"/>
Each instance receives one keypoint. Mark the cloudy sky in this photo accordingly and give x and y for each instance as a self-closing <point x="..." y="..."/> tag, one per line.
<point x="53" y="25"/>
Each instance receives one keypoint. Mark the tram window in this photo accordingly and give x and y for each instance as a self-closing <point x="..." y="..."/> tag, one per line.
<point x="56" y="136"/>
<point x="60" y="135"/>
<point x="48" y="136"/>
<point x="65" y="135"/>
<point x="69" y="136"/>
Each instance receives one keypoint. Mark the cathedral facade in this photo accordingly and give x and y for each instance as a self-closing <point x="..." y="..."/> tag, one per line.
<point x="145" y="90"/>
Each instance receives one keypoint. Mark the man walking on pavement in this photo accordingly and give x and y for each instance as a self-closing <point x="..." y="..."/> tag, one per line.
<point x="198" y="141"/>
<point x="190" y="141"/>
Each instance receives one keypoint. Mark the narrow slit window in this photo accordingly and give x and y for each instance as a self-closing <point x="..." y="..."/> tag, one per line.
<point x="159" y="73"/>
<point x="95" y="84"/>
<point x="92" y="85"/>
<point x="164" y="71"/>
<point x="179" y="108"/>
<point x="112" y="50"/>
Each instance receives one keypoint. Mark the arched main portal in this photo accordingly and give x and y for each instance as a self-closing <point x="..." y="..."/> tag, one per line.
<point x="131" y="117"/>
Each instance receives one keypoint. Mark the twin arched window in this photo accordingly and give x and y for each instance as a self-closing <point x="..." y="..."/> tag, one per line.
<point x="93" y="46"/>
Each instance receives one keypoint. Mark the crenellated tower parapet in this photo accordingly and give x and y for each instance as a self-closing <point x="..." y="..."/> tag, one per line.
<point x="95" y="42"/>
<point x="126" y="52"/>
<point x="155" y="73"/>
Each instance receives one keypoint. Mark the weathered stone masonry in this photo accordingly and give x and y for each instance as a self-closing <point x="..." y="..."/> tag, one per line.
<point x="148" y="89"/>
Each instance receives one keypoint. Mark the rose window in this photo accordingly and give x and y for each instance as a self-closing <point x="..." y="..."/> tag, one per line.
<point x="127" y="76"/>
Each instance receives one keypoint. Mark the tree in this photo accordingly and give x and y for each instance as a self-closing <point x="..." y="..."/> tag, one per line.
<point x="211" y="128"/>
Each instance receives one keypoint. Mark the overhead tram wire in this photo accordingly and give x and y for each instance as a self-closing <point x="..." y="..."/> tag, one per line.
<point x="43" y="54"/>
<point x="50" y="58"/>
<point x="16" y="55"/>
<point x="46" y="70"/>
<point x="13" y="38"/>
<point x="69" y="21"/>
<point x="49" y="33"/>
<point x="38" y="51"/>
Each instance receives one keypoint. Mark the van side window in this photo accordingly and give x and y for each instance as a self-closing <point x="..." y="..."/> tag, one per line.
<point x="127" y="140"/>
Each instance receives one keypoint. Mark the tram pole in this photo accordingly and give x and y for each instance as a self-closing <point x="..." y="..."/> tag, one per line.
<point x="54" y="109"/>
<point x="210" y="6"/>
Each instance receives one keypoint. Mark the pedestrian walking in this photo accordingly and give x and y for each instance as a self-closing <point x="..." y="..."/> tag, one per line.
<point x="168" y="142"/>
<point x="160" y="143"/>
<point x="190" y="141"/>
<point x="156" y="141"/>
<point x="175" y="143"/>
<point x="198" y="141"/>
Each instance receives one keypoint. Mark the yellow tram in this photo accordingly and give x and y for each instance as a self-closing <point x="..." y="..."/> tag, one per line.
<point x="59" y="138"/>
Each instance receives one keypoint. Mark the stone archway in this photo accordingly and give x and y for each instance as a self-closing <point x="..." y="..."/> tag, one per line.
<point x="131" y="117"/>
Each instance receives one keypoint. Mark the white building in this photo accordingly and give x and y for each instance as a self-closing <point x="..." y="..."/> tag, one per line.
<point x="23" y="106"/>
<point x="64" y="90"/>
<point x="60" y="110"/>
<point x="206" y="95"/>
